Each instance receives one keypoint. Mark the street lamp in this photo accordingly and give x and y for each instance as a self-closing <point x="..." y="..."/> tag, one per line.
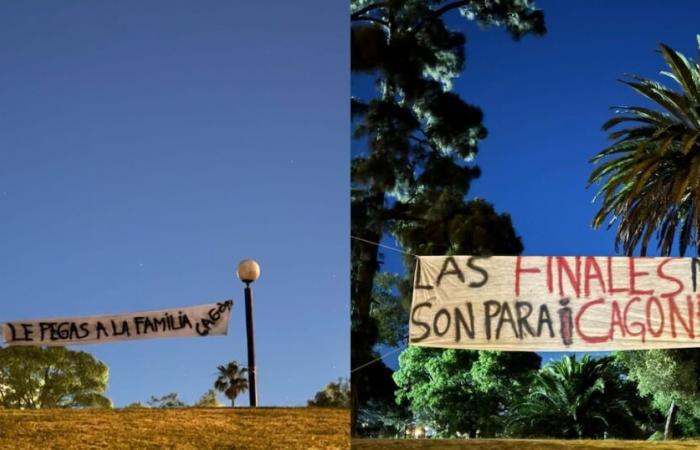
<point x="249" y="271"/>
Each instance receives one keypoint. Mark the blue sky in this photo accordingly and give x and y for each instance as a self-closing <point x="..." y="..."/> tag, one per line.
<point x="544" y="101"/>
<point x="146" y="148"/>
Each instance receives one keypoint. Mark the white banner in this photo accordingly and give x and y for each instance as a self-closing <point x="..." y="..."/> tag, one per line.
<point x="202" y="320"/>
<point x="554" y="303"/>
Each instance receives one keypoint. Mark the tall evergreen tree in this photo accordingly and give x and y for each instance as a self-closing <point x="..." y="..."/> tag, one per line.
<point x="420" y="140"/>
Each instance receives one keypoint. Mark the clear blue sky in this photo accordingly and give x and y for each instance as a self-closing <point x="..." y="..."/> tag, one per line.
<point x="544" y="101"/>
<point x="147" y="147"/>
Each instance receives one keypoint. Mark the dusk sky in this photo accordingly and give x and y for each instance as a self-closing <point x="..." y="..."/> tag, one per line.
<point x="544" y="101"/>
<point x="146" y="148"/>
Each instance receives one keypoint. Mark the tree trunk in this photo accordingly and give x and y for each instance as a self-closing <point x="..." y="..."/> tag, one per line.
<point x="233" y="403"/>
<point x="668" y="433"/>
<point x="368" y="224"/>
<point x="354" y="405"/>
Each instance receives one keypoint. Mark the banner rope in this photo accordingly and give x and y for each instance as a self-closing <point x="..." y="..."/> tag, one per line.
<point x="362" y="366"/>
<point x="382" y="245"/>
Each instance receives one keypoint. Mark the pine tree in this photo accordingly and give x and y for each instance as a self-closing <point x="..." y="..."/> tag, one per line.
<point x="420" y="139"/>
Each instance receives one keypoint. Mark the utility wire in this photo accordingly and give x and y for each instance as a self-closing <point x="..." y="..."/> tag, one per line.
<point x="382" y="245"/>
<point x="362" y="366"/>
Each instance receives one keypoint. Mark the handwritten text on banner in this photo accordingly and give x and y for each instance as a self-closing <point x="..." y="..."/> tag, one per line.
<point x="542" y="303"/>
<point x="202" y="320"/>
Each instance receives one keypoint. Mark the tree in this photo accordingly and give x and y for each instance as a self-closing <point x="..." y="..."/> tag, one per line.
<point x="134" y="405"/>
<point x="167" y="401"/>
<point x="670" y="379"/>
<point x="231" y="380"/>
<point x="208" y="400"/>
<point x="334" y="395"/>
<point x="439" y="384"/>
<point x="419" y="138"/>
<point x="53" y="377"/>
<point x="389" y="309"/>
<point x="383" y="420"/>
<point x="650" y="182"/>
<point x="573" y="398"/>
<point x="650" y="175"/>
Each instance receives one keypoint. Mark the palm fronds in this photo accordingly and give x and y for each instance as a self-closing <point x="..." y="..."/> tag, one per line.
<point x="573" y="398"/>
<point x="649" y="177"/>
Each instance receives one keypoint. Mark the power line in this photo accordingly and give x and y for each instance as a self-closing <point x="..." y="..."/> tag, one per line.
<point x="362" y="366"/>
<point x="382" y="245"/>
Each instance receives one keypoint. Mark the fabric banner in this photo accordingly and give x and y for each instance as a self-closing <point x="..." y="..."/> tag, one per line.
<point x="554" y="303"/>
<point x="202" y="320"/>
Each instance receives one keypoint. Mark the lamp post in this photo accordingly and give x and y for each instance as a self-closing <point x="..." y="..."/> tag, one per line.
<point x="249" y="271"/>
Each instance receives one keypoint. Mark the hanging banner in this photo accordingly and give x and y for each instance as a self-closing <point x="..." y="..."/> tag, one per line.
<point x="202" y="320"/>
<point x="554" y="303"/>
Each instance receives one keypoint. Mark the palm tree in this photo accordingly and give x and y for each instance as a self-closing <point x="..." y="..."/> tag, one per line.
<point x="232" y="381"/>
<point x="650" y="175"/>
<point x="574" y="399"/>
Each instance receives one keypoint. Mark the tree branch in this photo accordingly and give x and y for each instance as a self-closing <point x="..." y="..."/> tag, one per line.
<point x="367" y="8"/>
<point x="371" y="19"/>
<point x="426" y="141"/>
<point x="451" y="6"/>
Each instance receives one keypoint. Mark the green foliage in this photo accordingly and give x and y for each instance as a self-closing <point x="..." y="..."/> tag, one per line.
<point x="687" y="423"/>
<point x="384" y="420"/>
<point x="334" y="395"/>
<point x="656" y="436"/>
<point x="451" y="226"/>
<point x="668" y="376"/>
<point x="665" y="375"/>
<point x="650" y="175"/>
<point x="505" y="374"/>
<point x="231" y="380"/>
<point x="439" y="383"/>
<point x="389" y="309"/>
<point x="134" y="405"/>
<point x="584" y="398"/>
<point x="208" y="400"/>
<point x="53" y="377"/>
<point x="167" y="401"/>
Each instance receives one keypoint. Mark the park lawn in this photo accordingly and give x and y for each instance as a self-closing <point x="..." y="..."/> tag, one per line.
<point x="186" y="428"/>
<point x="517" y="444"/>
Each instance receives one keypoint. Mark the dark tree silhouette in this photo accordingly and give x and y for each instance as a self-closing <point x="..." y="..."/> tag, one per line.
<point x="420" y="139"/>
<point x="334" y="395"/>
<point x="170" y="400"/>
<point x="231" y="380"/>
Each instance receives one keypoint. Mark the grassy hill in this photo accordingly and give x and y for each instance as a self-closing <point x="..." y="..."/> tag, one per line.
<point x="517" y="444"/>
<point x="191" y="428"/>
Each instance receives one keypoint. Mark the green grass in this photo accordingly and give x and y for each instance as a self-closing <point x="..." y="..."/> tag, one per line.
<point x="190" y="428"/>
<point x="517" y="444"/>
